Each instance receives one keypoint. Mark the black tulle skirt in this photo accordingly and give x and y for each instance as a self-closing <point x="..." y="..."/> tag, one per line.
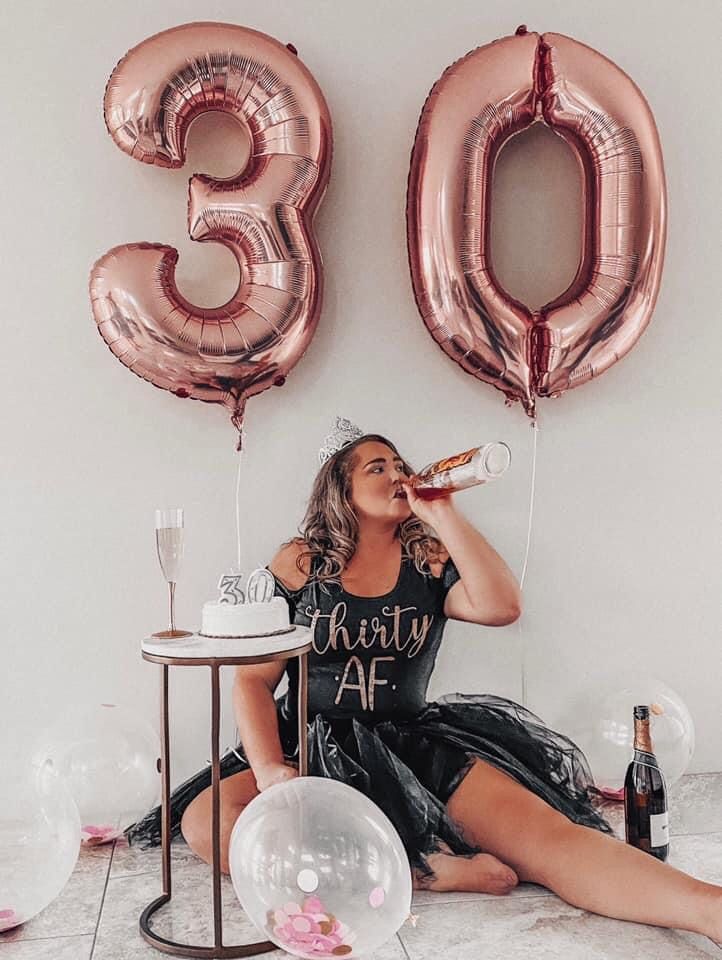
<point x="410" y="767"/>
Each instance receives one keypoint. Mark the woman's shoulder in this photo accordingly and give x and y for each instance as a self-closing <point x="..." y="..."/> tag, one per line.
<point x="289" y="565"/>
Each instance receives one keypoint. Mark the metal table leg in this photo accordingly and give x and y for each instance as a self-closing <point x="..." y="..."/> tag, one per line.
<point x="302" y="715"/>
<point x="218" y="951"/>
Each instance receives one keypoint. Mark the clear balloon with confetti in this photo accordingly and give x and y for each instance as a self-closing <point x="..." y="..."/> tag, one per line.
<point x="320" y="869"/>
<point x="108" y="757"/>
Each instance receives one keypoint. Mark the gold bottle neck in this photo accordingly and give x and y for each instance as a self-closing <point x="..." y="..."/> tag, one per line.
<point x="642" y="736"/>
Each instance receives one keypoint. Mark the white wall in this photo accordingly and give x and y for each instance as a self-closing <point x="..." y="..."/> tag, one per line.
<point x="625" y="557"/>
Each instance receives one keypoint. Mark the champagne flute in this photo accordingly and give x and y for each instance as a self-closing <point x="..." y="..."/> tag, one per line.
<point x="169" y="542"/>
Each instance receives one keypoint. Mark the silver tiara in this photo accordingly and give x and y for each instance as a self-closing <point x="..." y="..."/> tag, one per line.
<point x="343" y="433"/>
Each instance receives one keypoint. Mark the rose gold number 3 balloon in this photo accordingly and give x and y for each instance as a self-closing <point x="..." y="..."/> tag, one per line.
<point x="263" y="214"/>
<point x="477" y="104"/>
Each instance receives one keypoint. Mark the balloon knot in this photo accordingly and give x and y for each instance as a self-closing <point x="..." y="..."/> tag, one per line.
<point x="237" y="420"/>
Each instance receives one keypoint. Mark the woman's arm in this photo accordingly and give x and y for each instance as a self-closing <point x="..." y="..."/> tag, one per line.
<point x="487" y="592"/>
<point x="257" y="720"/>
<point x="253" y="702"/>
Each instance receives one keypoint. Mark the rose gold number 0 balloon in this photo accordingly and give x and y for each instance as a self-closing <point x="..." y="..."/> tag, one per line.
<point x="263" y="214"/>
<point x="480" y="102"/>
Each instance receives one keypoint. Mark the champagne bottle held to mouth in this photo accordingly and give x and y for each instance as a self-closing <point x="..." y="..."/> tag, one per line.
<point x="475" y="466"/>
<point x="645" y="794"/>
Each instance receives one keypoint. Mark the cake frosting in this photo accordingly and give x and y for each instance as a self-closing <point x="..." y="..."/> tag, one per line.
<point x="253" y="613"/>
<point x="244" y="619"/>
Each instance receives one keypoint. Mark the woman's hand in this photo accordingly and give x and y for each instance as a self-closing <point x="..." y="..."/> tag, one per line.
<point x="428" y="511"/>
<point x="273" y="773"/>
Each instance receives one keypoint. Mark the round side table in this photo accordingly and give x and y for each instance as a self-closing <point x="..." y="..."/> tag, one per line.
<point x="198" y="651"/>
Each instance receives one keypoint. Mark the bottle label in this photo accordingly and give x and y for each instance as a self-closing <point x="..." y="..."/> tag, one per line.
<point x="659" y="829"/>
<point x="451" y="462"/>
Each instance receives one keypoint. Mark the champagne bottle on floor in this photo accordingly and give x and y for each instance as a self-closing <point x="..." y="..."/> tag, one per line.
<point x="645" y="794"/>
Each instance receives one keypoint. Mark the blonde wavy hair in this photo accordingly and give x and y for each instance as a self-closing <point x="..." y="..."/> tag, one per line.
<point x="329" y="530"/>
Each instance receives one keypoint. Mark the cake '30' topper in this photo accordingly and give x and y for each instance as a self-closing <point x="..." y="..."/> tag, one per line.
<point x="260" y="588"/>
<point x="230" y="589"/>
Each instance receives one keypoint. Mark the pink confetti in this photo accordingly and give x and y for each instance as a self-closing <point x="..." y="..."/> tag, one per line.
<point x="93" y="835"/>
<point x="377" y="897"/>
<point x="310" y="930"/>
<point x="8" y="919"/>
<point x="612" y="793"/>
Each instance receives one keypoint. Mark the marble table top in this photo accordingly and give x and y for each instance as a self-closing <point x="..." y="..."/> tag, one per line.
<point x="197" y="647"/>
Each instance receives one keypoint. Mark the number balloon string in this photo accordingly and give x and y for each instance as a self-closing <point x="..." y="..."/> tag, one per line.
<point x="238" y="513"/>
<point x="535" y="428"/>
<point x="522" y="650"/>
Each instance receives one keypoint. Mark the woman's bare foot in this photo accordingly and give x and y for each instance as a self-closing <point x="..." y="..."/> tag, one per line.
<point x="480" y="873"/>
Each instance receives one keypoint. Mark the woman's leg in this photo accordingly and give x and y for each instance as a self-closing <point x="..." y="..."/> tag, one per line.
<point x="237" y="791"/>
<point x="585" y="867"/>
<point x="482" y="873"/>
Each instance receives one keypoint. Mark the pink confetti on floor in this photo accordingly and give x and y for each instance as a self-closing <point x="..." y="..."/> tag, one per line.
<point x="310" y="930"/>
<point x="612" y="794"/>
<point x="93" y="836"/>
<point x="8" y="919"/>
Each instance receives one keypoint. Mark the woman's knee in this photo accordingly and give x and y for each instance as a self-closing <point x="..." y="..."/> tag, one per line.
<point x="235" y="793"/>
<point x="195" y="824"/>
<point x="506" y="819"/>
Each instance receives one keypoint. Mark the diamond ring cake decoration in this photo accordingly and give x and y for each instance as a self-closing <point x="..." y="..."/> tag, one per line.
<point x="255" y="612"/>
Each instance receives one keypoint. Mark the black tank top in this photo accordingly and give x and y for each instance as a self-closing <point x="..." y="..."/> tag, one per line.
<point x="372" y="657"/>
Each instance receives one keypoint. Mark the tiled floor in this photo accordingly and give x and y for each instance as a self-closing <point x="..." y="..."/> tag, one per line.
<point x="97" y="914"/>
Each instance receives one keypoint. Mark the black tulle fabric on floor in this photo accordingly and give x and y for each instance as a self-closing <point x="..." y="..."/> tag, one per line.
<point x="411" y="767"/>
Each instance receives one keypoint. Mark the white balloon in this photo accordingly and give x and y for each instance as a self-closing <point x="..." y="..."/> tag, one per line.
<point x="39" y="839"/>
<point x="611" y="746"/>
<point x="320" y="869"/>
<point x="108" y="758"/>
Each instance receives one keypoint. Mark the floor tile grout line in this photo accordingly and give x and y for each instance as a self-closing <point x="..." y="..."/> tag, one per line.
<point x="59" y="936"/>
<point x="473" y="899"/>
<point x="102" y="900"/>
<point x="487" y="900"/>
<point x="709" y="833"/>
<point x="401" y="943"/>
<point x="469" y="896"/>
<point x="129" y="876"/>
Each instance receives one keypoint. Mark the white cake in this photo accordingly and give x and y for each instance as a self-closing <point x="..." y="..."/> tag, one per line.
<point x="245" y="619"/>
